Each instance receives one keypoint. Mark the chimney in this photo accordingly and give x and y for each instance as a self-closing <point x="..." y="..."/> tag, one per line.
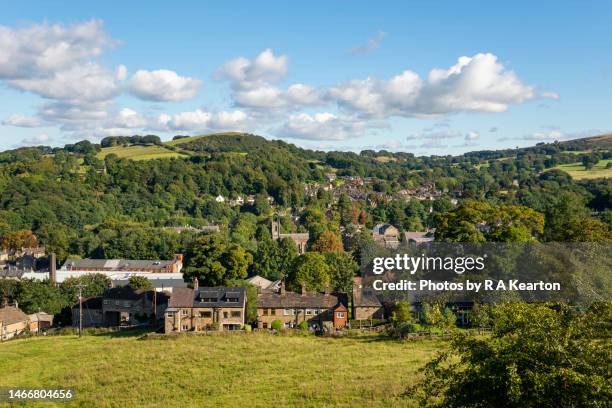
<point x="196" y="284"/>
<point x="303" y="289"/>
<point x="327" y="288"/>
<point x="282" y="288"/>
<point x="16" y="305"/>
<point x="53" y="269"/>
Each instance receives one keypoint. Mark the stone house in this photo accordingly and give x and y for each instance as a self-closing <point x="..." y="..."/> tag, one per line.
<point x="300" y="239"/>
<point x="121" y="306"/>
<point x="13" y="322"/>
<point x="319" y="310"/>
<point x="386" y="235"/>
<point x="40" y="322"/>
<point x="205" y="308"/>
<point x="365" y="305"/>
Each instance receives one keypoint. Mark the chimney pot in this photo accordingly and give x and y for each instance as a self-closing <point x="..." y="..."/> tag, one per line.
<point x="303" y="289"/>
<point x="196" y="283"/>
<point x="327" y="289"/>
<point x="282" y="288"/>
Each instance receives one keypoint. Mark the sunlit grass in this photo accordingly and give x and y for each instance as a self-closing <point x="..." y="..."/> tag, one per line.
<point x="241" y="370"/>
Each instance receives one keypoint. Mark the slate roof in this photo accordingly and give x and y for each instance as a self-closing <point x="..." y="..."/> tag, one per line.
<point x="292" y="300"/>
<point x="208" y="297"/>
<point x="116" y="264"/>
<point x="181" y="297"/>
<point x="219" y="297"/>
<point x="12" y="315"/>
<point x="366" y="300"/>
<point x="419" y="236"/>
<point x="90" y="303"/>
<point x="127" y="293"/>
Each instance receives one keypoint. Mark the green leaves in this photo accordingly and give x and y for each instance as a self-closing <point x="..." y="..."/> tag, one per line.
<point x="537" y="356"/>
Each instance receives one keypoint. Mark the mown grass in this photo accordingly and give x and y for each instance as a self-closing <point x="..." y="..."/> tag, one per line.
<point x="578" y="171"/>
<point x="138" y="152"/>
<point x="241" y="370"/>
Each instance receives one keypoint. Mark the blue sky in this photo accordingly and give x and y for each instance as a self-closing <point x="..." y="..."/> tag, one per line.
<point x="433" y="78"/>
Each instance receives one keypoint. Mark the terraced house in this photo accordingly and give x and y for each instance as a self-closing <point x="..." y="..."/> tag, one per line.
<point x="320" y="310"/>
<point x="205" y="309"/>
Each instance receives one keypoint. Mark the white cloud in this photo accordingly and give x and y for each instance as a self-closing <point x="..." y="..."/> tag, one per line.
<point x="321" y="126"/>
<point x="435" y="135"/>
<point x="472" y="135"/>
<point x="551" y="135"/>
<point x="479" y="83"/>
<point x="550" y="95"/>
<point x="130" y="119"/>
<point x="22" y="121"/>
<point x="253" y="84"/>
<point x="372" y="44"/>
<point x="200" y="120"/>
<point x="40" y="49"/>
<point x="270" y="97"/>
<point x="247" y="74"/>
<point x="36" y="140"/>
<point x="80" y="84"/>
<point x="163" y="85"/>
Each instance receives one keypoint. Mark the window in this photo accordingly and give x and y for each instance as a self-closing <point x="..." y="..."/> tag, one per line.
<point x="287" y="312"/>
<point x="184" y="312"/>
<point x="308" y="311"/>
<point x="107" y="302"/>
<point x="206" y="314"/>
<point x="265" y="325"/>
<point x="316" y="311"/>
<point x="232" y="300"/>
<point x="272" y="312"/>
<point x="116" y="303"/>
<point x="236" y="313"/>
<point x="225" y="315"/>
<point x="340" y="315"/>
<point x="126" y="304"/>
<point x="185" y="327"/>
<point x="265" y="312"/>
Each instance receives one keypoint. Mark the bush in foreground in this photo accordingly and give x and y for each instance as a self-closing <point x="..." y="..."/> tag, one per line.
<point x="537" y="356"/>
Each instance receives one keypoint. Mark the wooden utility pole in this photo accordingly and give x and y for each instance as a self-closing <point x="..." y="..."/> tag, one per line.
<point x="80" y="286"/>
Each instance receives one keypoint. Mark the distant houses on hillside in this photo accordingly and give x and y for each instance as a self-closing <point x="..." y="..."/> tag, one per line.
<point x="300" y="239"/>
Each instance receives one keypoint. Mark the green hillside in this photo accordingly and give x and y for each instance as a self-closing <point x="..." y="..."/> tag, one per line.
<point x="579" y="172"/>
<point x="139" y="152"/>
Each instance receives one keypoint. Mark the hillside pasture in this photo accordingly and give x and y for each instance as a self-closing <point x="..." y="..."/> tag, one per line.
<point x="228" y="370"/>
<point x="139" y="152"/>
<point x="579" y="172"/>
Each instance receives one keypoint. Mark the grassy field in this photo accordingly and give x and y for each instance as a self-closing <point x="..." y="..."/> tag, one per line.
<point x="241" y="370"/>
<point x="138" y="152"/>
<point x="578" y="172"/>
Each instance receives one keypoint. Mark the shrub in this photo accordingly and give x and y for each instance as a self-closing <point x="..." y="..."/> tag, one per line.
<point x="277" y="325"/>
<point x="537" y="356"/>
<point x="303" y="326"/>
<point x="406" y="328"/>
<point x="248" y="328"/>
